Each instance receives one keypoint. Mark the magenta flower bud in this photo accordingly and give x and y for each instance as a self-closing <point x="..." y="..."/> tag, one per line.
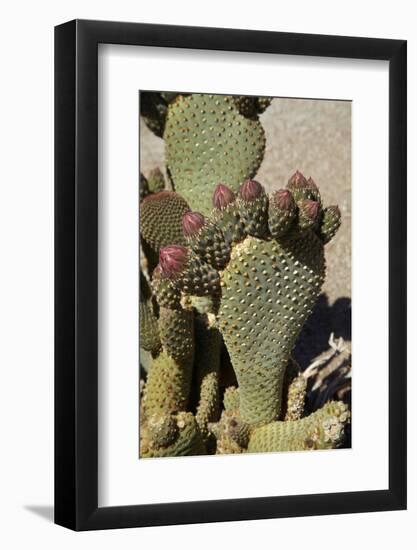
<point x="192" y="222"/>
<point x="310" y="208"/>
<point x="283" y="199"/>
<point x="172" y="260"/>
<point x="250" y="190"/>
<point x="222" y="196"/>
<point x="297" y="180"/>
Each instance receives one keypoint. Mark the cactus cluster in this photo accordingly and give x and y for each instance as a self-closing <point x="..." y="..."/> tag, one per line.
<point x="228" y="267"/>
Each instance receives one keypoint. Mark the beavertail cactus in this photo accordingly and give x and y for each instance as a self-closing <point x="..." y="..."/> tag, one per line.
<point x="264" y="271"/>
<point x="208" y="139"/>
<point x="323" y="429"/>
<point x="225" y="266"/>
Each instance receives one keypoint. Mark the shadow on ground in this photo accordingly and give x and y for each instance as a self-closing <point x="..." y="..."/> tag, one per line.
<point x="324" y="320"/>
<point x="45" y="512"/>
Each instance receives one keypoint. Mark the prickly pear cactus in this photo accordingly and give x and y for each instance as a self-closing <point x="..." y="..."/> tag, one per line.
<point x="207" y="140"/>
<point x="263" y="280"/>
<point x="225" y="266"/>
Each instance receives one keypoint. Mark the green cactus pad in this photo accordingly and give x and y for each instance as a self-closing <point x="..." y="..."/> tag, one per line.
<point x="330" y="223"/>
<point x="207" y="367"/>
<point x="268" y="291"/>
<point x="149" y="331"/>
<point x="165" y="291"/>
<point x="168" y="386"/>
<point x="209" y="244"/>
<point x="207" y="140"/>
<point x="188" y="440"/>
<point x="230" y="222"/>
<point x="200" y="278"/>
<point x="323" y="429"/>
<point x="296" y="395"/>
<point x="176" y="328"/>
<point x="148" y="322"/>
<point x="231" y="398"/>
<point x="161" y="219"/>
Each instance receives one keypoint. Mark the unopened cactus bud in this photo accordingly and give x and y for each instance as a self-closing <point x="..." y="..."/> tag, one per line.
<point x="303" y="189"/>
<point x="253" y="204"/>
<point x="250" y="190"/>
<point x="313" y="190"/>
<point x="297" y="180"/>
<point x="192" y="222"/>
<point x="311" y="209"/>
<point x="222" y="196"/>
<point x="283" y="199"/>
<point x="309" y="213"/>
<point x="172" y="260"/>
<point x="282" y="212"/>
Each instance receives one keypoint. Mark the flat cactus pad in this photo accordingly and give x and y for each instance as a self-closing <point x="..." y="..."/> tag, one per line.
<point x="208" y="140"/>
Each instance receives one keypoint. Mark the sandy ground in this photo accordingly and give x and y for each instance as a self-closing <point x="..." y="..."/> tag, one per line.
<point x="315" y="138"/>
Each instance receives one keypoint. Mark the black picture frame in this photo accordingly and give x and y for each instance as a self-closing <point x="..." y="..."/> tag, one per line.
<point x="76" y="271"/>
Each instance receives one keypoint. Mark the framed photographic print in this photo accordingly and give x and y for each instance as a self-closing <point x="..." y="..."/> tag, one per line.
<point x="230" y="275"/>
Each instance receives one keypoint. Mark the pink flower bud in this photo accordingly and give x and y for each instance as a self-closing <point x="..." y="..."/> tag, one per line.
<point x="222" y="196"/>
<point x="283" y="199"/>
<point x="172" y="259"/>
<point x="192" y="222"/>
<point x="297" y="180"/>
<point x="250" y="190"/>
<point x="310" y="208"/>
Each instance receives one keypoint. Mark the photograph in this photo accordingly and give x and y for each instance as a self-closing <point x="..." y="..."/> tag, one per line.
<point x="245" y="274"/>
<point x="208" y="234"/>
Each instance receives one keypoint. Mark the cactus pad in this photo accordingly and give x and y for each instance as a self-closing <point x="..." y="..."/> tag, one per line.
<point x="161" y="219"/>
<point x="267" y="288"/>
<point x="323" y="429"/>
<point x="168" y="386"/>
<point x="208" y="140"/>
